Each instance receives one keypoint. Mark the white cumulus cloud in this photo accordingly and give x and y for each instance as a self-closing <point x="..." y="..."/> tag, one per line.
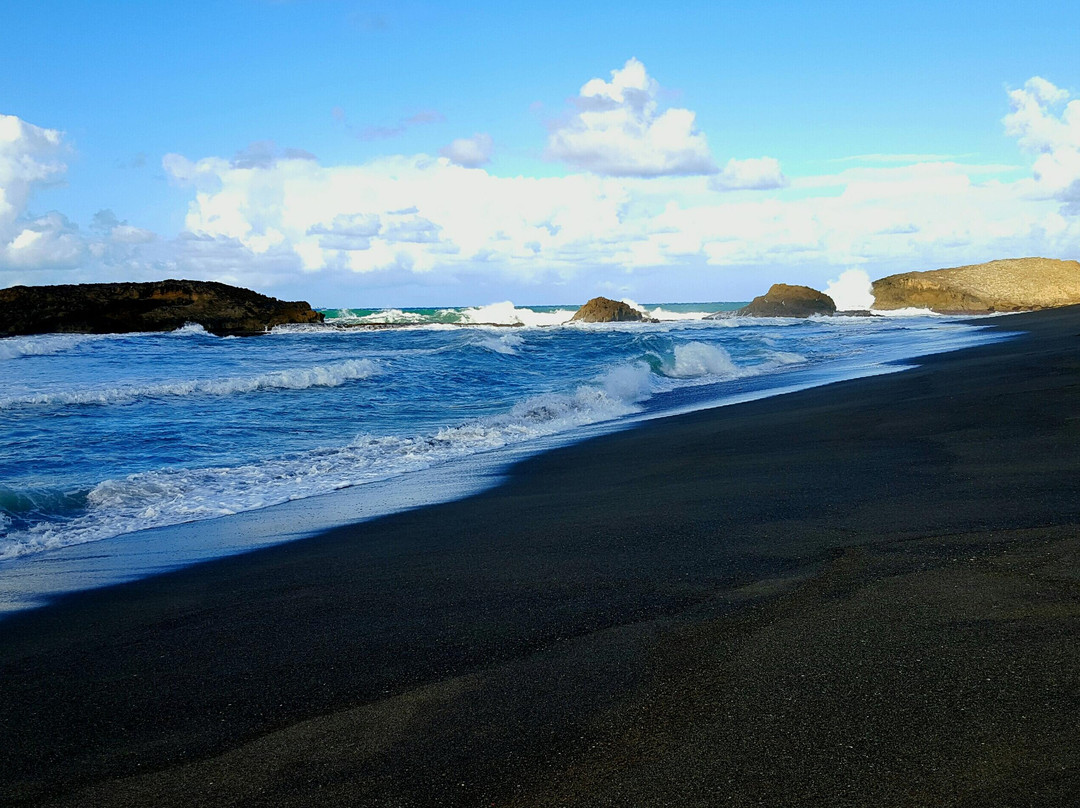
<point x="470" y="152"/>
<point x="1053" y="137"/>
<point x="756" y="173"/>
<point x="29" y="157"/>
<point x="619" y="130"/>
<point x="402" y="213"/>
<point x="280" y="219"/>
<point x="421" y="215"/>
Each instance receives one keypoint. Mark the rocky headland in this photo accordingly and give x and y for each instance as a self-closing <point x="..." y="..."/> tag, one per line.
<point x="1012" y="284"/>
<point x="113" y="308"/>
<point x="783" y="300"/>
<point x="605" y="310"/>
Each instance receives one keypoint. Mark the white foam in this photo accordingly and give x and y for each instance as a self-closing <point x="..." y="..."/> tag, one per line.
<point x="505" y="344"/>
<point x="662" y="314"/>
<point x="786" y="358"/>
<point x="852" y="291"/>
<point x="506" y="313"/>
<point x="908" y="312"/>
<point x="393" y="316"/>
<point x="331" y="375"/>
<point x="191" y="330"/>
<point x="700" y="362"/>
<point x="629" y="384"/>
<point x="45" y="344"/>
<point x="48" y="344"/>
<point x="171" y="496"/>
<point x="696" y="359"/>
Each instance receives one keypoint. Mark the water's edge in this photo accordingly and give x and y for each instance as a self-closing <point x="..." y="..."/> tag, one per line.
<point x="33" y="581"/>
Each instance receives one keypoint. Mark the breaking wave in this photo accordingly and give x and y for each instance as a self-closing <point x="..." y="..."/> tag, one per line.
<point x="700" y="360"/>
<point x="504" y="313"/>
<point x="443" y="394"/>
<point x="46" y="344"/>
<point x="170" y="496"/>
<point x="331" y="375"/>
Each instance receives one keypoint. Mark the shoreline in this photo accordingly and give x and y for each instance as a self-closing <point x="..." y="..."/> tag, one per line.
<point x="797" y="598"/>
<point x="34" y="579"/>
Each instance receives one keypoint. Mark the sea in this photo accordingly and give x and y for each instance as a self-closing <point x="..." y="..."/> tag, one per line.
<point x="125" y="455"/>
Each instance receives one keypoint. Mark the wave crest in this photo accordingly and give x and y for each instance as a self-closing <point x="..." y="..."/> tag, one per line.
<point x="169" y="496"/>
<point x="700" y="360"/>
<point x="331" y="375"/>
<point x="45" y="344"/>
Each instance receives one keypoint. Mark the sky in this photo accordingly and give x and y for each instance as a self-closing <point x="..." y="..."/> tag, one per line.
<point x="358" y="153"/>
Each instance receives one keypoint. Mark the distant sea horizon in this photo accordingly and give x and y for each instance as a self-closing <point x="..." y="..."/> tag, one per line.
<point x="508" y="313"/>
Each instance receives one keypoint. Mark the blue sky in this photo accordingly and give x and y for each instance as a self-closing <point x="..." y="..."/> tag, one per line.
<point x="412" y="153"/>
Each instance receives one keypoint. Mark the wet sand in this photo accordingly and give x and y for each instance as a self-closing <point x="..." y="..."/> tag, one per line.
<point x="861" y="594"/>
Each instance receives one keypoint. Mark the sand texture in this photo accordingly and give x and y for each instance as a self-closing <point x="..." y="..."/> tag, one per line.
<point x="865" y="594"/>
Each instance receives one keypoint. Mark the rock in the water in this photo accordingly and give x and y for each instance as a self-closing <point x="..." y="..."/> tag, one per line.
<point x="604" y="310"/>
<point x="104" y="308"/>
<point x="1012" y="284"/>
<point x="783" y="300"/>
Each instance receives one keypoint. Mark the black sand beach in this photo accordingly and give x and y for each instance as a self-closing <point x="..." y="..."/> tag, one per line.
<point x="861" y="594"/>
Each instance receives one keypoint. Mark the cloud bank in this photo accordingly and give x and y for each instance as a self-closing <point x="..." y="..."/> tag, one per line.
<point x="1053" y="137"/>
<point x="755" y="174"/>
<point x="647" y="203"/>
<point x="30" y="156"/>
<point x="470" y="152"/>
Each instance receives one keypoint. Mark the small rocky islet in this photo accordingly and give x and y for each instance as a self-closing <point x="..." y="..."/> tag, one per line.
<point x="1007" y="285"/>
<point x="784" y="300"/>
<point x="606" y="310"/>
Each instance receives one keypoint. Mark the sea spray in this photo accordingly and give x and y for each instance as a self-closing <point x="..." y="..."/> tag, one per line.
<point x="506" y="313"/>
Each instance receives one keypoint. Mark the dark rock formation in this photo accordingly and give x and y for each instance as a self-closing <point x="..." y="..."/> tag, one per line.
<point x="604" y="310"/>
<point x="104" y="308"/>
<point x="1013" y="284"/>
<point x="788" y="301"/>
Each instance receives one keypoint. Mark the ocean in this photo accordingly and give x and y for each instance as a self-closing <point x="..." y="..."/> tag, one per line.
<point x="108" y="440"/>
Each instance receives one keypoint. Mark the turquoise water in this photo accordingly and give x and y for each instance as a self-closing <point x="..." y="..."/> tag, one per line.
<point x="509" y="314"/>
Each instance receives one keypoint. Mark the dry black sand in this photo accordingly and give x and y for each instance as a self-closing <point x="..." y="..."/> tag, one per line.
<point x="861" y="594"/>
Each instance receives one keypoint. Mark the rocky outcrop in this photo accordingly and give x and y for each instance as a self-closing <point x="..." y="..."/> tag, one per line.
<point x="783" y="300"/>
<point x="103" y="308"/>
<point x="604" y="310"/>
<point x="1013" y="284"/>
